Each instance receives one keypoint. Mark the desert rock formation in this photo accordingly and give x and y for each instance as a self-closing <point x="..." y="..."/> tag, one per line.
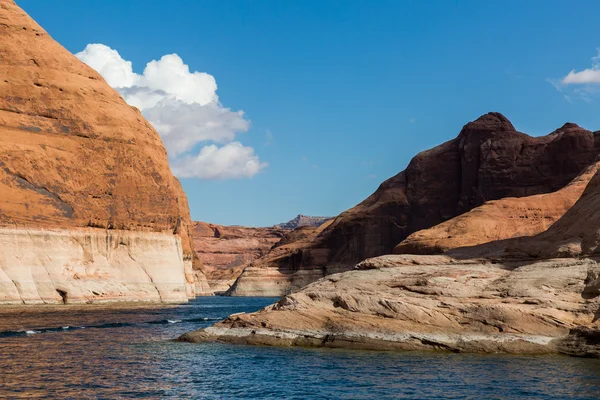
<point x="303" y="220"/>
<point x="280" y="271"/>
<point x="433" y="303"/>
<point x="499" y="219"/>
<point x="224" y="251"/>
<point x="87" y="194"/>
<point x="536" y="294"/>
<point x="489" y="160"/>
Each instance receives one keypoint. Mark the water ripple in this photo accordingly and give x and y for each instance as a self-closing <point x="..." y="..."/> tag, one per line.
<point x="127" y="353"/>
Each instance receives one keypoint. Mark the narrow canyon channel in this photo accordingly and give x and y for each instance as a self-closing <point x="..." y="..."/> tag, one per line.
<point x="127" y="351"/>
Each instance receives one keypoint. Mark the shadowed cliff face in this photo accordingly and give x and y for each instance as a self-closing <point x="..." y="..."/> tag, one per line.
<point x="506" y="218"/>
<point x="576" y="234"/>
<point x="488" y="160"/>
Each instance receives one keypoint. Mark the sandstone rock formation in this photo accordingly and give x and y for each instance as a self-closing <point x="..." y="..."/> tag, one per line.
<point x="498" y="219"/>
<point x="303" y="220"/>
<point x="86" y="193"/>
<point x="489" y="160"/>
<point x="280" y="271"/>
<point x="224" y="251"/>
<point x="433" y="302"/>
<point x="575" y="235"/>
<point x="535" y="294"/>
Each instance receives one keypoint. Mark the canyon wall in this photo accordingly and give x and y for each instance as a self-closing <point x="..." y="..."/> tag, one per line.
<point x="489" y="160"/>
<point x="76" y="160"/>
<point x="89" y="265"/>
<point x="224" y="251"/>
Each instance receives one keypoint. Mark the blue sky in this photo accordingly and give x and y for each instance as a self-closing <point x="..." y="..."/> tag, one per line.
<point x="341" y="94"/>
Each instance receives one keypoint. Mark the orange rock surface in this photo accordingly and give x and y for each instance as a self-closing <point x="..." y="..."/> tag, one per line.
<point x="498" y="219"/>
<point x="226" y="250"/>
<point x="489" y="160"/>
<point x="73" y="154"/>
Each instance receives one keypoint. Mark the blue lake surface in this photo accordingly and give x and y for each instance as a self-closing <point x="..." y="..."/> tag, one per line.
<point x="126" y="351"/>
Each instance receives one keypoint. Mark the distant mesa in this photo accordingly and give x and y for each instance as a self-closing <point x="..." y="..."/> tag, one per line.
<point x="303" y="220"/>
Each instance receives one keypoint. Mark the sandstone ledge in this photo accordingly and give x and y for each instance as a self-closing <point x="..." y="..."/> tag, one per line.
<point x="437" y="303"/>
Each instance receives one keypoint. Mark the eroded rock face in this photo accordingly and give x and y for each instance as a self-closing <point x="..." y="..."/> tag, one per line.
<point x="576" y="234"/>
<point x="89" y="266"/>
<point x="432" y="302"/>
<point x="537" y="294"/>
<point x="499" y="219"/>
<point x="74" y="156"/>
<point x="489" y="160"/>
<point x="281" y="270"/>
<point x="224" y="251"/>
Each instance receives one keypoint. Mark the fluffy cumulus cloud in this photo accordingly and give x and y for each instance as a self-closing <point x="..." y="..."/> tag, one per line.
<point x="184" y="108"/>
<point x="232" y="160"/>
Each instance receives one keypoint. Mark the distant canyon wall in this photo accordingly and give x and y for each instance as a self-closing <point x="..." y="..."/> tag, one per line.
<point x="224" y="252"/>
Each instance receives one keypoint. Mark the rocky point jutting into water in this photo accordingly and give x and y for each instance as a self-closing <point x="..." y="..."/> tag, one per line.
<point x="89" y="209"/>
<point x="530" y="294"/>
<point x="489" y="160"/>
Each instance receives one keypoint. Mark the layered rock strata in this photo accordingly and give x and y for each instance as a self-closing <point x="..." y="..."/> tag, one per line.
<point x="280" y="271"/>
<point x="89" y="265"/>
<point x="489" y="160"/>
<point x="535" y="294"/>
<point x="432" y="303"/>
<point x="77" y="162"/>
<point x="225" y="251"/>
<point x="303" y="220"/>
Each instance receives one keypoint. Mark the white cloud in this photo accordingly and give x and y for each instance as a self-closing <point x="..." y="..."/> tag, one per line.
<point x="231" y="161"/>
<point x="589" y="75"/>
<point x="585" y="76"/>
<point x="184" y="108"/>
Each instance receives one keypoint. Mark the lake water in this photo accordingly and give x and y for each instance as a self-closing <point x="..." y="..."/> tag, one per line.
<point x="125" y="352"/>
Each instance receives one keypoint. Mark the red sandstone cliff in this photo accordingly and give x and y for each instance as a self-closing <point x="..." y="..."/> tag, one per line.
<point x="75" y="156"/>
<point x="224" y="251"/>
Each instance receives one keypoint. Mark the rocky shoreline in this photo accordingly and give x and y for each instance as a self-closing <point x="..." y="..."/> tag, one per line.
<point x="433" y="303"/>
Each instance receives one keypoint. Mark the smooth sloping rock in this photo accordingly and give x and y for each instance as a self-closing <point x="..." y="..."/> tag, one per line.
<point x="576" y="234"/>
<point x="430" y="302"/>
<point x="488" y="160"/>
<point x="498" y="219"/>
<point x="74" y="156"/>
